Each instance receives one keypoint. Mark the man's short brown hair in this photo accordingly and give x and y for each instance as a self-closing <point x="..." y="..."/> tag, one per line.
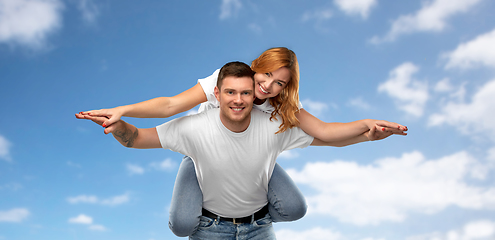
<point x="235" y="69"/>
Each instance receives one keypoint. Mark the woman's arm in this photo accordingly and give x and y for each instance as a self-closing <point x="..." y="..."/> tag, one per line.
<point x="337" y="132"/>
<point x="372" y="134"/>
<point x="161" y="107"/>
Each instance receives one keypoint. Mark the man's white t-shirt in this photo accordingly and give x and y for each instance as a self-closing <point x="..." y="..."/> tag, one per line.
<point x="233" y="169"/>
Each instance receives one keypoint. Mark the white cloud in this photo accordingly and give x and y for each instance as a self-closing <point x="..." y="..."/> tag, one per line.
<point x="318" y="15"/>
<point x="165" y="165"/>
<point x="113" y="201"/>
<point x="358" y="102"/>
<point x="29" y="22"/>
<point x="317" y="233"/>
<point x="87" y="220"/>
<point x="391" y="188"/>
<point x="14" y="215"/>
<point x="432" y="17"/>
<point x="97" y="228"/>
<point x="81" y="219"/>
<point x="477" y="52"/>
<point x="491" y="154"/>
<point x="11" y="186"/>
<point x="83" y="199"/>
<point x="289" y="154"/>
<point x="356" y="7"/>
<point x="229" y="8"/>
<point x="313" y="107"/>
<point x="475" y="117"/>
<point x="255" y="28"/>
<point x="410" y="95"/>
<point x="479" y="230"/>
<point x="117" y="200"/>
<point x="5" y="146"/>
<point x="134" y="169"/>
<point x="443" y="85"/>
<point x="89" y="10"/>
<point x="72" y="164"/>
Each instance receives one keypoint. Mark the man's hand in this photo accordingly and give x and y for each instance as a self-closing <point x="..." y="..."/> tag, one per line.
<point x="100" y="120"/>
<point x="127" y="134"/>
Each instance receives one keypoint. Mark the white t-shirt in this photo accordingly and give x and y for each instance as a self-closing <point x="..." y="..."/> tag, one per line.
<point x="233" y="169"/>
<point x="208" y="84"/>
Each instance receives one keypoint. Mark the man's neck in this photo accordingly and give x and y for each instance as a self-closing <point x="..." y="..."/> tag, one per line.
<point x="236" y="126"/>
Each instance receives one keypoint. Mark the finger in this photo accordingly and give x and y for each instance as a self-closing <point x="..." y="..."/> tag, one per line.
<point x="100" y="113"/>
<point x="393" y="131"/>
<point x="109" y="129"/>
<point x="79" y="116"/>
<point x="98" y="120"/>
<point x="371" y="134"/>
<point x="111" y="121"/>
<point x="391" y="125"/>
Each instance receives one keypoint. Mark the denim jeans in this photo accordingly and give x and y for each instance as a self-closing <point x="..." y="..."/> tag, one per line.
<point x="285" y="201"/>
<point x="209" y="228"/>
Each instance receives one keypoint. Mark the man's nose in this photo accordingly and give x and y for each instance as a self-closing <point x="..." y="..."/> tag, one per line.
<point x="238" y="98"/>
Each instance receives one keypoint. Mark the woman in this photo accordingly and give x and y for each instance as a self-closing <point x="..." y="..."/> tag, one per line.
<point x="276" y="91"/>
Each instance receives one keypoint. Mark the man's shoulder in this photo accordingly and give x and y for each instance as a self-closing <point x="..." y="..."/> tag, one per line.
<point x="266" y="119"/>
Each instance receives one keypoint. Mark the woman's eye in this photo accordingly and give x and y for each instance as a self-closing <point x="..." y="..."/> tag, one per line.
<point x="267" y="74"/>
<point x="280" y="84"/>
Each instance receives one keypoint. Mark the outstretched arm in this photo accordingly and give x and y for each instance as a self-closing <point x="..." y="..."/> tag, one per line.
<point x="371" y="135"/>
<point x="128" y="135"/>
<point x="161" y="107"/>
<point x="347" y="132"/>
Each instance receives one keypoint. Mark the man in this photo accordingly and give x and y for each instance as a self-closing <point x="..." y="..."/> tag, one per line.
<point x="234" y="151"/>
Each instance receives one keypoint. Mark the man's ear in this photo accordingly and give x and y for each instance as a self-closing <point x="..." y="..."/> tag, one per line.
<point x="217" y="93"/>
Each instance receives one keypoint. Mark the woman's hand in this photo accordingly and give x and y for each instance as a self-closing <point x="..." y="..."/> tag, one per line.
<point x="112" y="115"/>
<point x="380" y="129"/>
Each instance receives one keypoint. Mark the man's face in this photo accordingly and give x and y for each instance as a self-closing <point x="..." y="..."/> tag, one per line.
<point x="236" y="98"/>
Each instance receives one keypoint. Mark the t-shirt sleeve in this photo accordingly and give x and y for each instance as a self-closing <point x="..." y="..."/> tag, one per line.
<point x="208" y="84"/>
<point x="295" y="138"/>
<point x="173" y="135"/>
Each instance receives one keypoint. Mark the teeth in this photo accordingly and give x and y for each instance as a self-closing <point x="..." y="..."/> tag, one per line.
<point x="237" y="109"/>
<point x="263" y="90"/>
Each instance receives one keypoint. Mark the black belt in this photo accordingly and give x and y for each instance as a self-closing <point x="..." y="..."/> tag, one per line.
<point x="257" y="215"/>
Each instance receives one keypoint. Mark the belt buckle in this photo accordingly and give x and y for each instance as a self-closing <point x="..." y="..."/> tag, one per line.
<point x="233" y="220"/>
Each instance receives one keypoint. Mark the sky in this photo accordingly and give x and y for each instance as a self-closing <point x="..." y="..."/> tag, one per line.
<point x="429" y="65"/>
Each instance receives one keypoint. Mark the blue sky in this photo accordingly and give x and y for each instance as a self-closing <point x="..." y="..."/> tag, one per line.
<point x="428" y="65"/>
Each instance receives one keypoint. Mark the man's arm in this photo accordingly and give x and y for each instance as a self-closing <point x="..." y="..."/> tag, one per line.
<point x="132" y="137"/>
<point x="128" y="135"/>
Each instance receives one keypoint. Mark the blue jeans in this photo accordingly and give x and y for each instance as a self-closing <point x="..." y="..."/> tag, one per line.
<point x="209" y="228"/>
<point x="285" y="201"/>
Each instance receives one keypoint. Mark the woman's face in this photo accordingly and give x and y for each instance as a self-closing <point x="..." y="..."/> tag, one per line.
<point x="267" y="85"/>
